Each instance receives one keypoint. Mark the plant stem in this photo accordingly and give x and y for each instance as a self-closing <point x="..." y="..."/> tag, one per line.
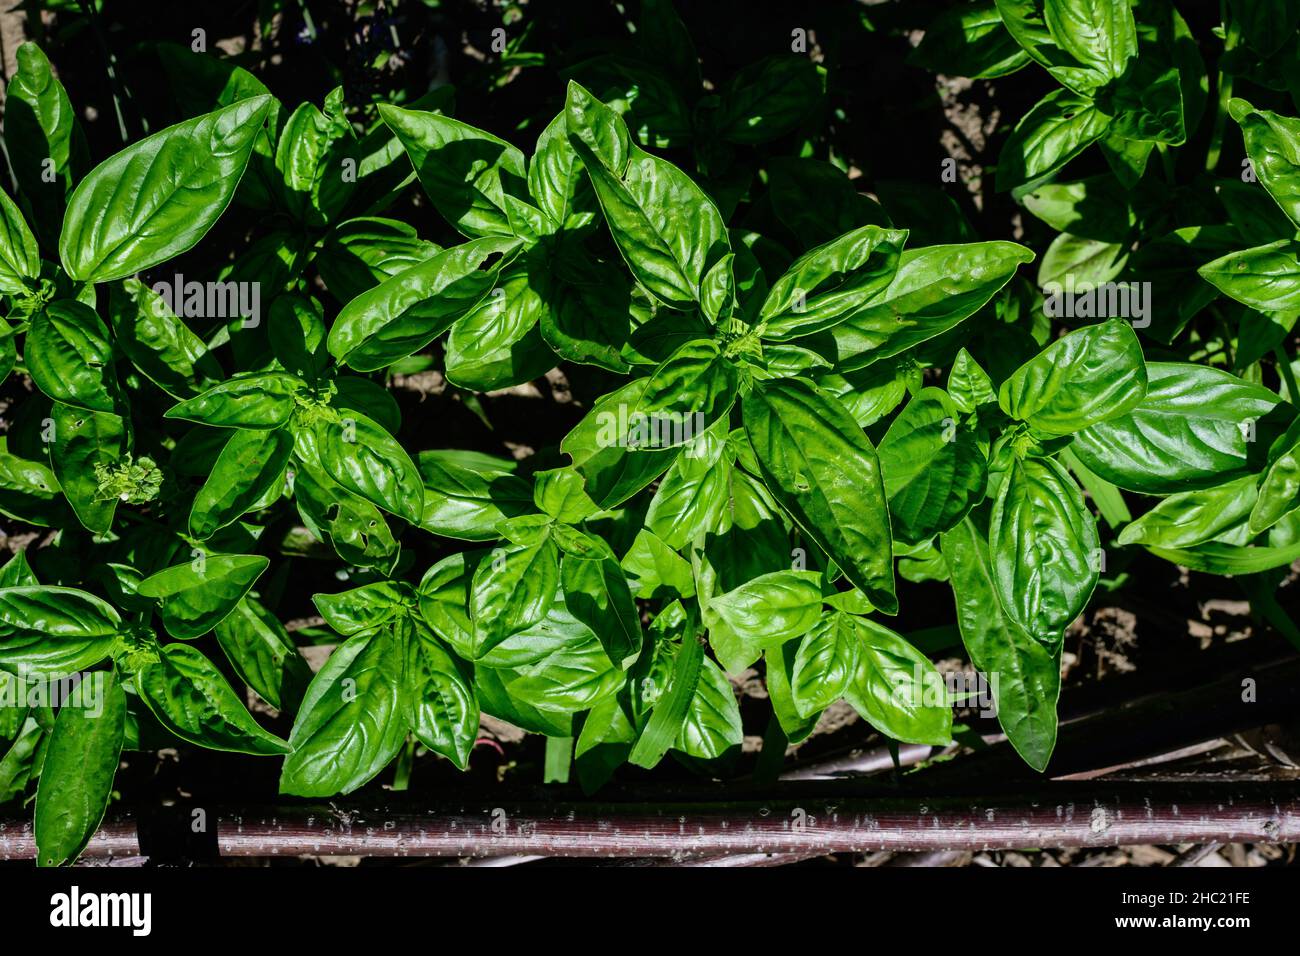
<point x="1288" y="376"/>
<point x="1225" y="93"/>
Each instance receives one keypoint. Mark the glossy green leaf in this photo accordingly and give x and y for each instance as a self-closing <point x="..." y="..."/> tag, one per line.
<point x="1089" y="376"/>
<point x="70" y="357"/>
<point x="77" y="776"/>
<point x="351" y="721"/>
<point x="897" y="690"/>
<point x="263" y="655"/>
<point x="191" y="699"/>
<point x="933" y="467"/>
<point x="49" y="631"/>
<point x="159" y="197"/>
<point x="825" y="664"/>
<point x="257" y="400"/>
<point x="440" y="704"/>
<point x="251" y="464"/>
<point x="820" y="467"/>
<point x="1045" y="549"/>
<point x="195" y="597"/>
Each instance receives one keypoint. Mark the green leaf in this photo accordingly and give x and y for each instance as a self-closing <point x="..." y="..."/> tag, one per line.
<point x="655" y="570"/>
<point x="83" y="445"/>
<point x="1060" y="127"/>
<point x="1265" y="277"/>
<point x="669" y="232"/>
<point x="832" y="282"/>
<point x="360" y="253"/>
<point x="465" y="171"/>
<point x="820" y="467"/>
<point x="1045" y="548"/>
<point x="1190" y="518"/>
<point x="665" y="724"/>
<point x="263" y="654"/>
<point x="969" y="40"/>
<point x="1089" y="376"/>
<point x="933" y="467"/>
<point x="70" y="358"/>
<point x="251" y="464"/>
<point x="20" y="260"/>
<point x="257" y="400"/>
<point x="767" y="99"/>
<point x="556" y="180"/>
<point x="403" y="314"/>
<point x="935" y="288"/>
<point x="512" y="591"/>
<point x="30" y="492"/>
<point x="1279" y="490"/>
<point x="897" y="690"/>
<point x="1025" y="677"/>
<point x="358" y="454"/>
<point x="825" y="664"/>
<point x="497" y="344"/>
<point x="1100" y="34"/>
<point x="48" y="631"/>
<point x="77" y="776"/>
<point x="158" y="343"/>
<point x="352" y="722"/>
<point x="42" y="136"/>
<point x="772" y="608"/>
<point x="191" y="699"/>
<point x="441" y="706"/>
<point x="1273" y="144"/>
<point x="712" y="724"/>
<point x="688" y="392"/>
<point x="364" y="608"/>
<point x="467" y="500"/>
<point x="1190" y="431"/>
<point x="157" y="198"/>
<point x="613" y="472"/>
<point x="194" y="598"/>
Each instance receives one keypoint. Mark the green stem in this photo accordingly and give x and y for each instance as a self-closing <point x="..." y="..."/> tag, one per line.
<point x="1288" y="376"/>
<point x="1225" y="93"/>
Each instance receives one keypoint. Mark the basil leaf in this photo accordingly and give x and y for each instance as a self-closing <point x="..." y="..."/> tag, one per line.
<point x="263" y="654"/>
<point x="49" y="631"/>
<point x="84" y="447"/>
<point x="820" y="467"/>
<point x="655" y="570"/>
<point x="158" y="343"/>
<point x="1190" y="431"/>
<point x="258" y="400"/>
<point x="688" y="392"/>
<point x="1060" y="127"/>
<point x="512" y="591"/>
<point x="440" y="704"/>
<point x="934" y="469"/>
<point x="935" y="288"/>
<point x="712" y="725"/>
<point x="1100" y="34"/>
<point x="772" y="608"/>
<point x="363" y="458"/>
<point x="556" y="181"/>
<point x="1089" y="376"/>
<point x="251" y="464"/>
<point x="194" y="598"/>
<point x="403" y="314"/>
<point x="191" y="699"/>
<point x="766" y="100"/>
<point x="1190" y="518"/>
<point x="612" y="471"/>
<point x="668" y="230"/>
<point x="360" y="253"/>
<point x="159" y="197"/>
<point x="1273" y="144"/>
<point x="42" y="135"/>
<point x="70" y="357"/>
<point x="469" y="502"/>
<point x="1045" y="548"/>
<point x="1265" y="277"/>
<point x="20" y="260"/>
<point x="363" y="608"/>
<point x="441" y="148"/>
<point x="828" y="284"/>
<point x="351" y="723"/>
<point x="897" y="690"/>
<point x="76" y="780"/>
<point x="1025" y="677"/>
<point x="1279" y="489"/>
<point x="825" y="664"/>
<point x="969" y="40"/>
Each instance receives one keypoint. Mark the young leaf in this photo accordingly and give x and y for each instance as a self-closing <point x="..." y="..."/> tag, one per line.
<point x="194" y="598"/>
